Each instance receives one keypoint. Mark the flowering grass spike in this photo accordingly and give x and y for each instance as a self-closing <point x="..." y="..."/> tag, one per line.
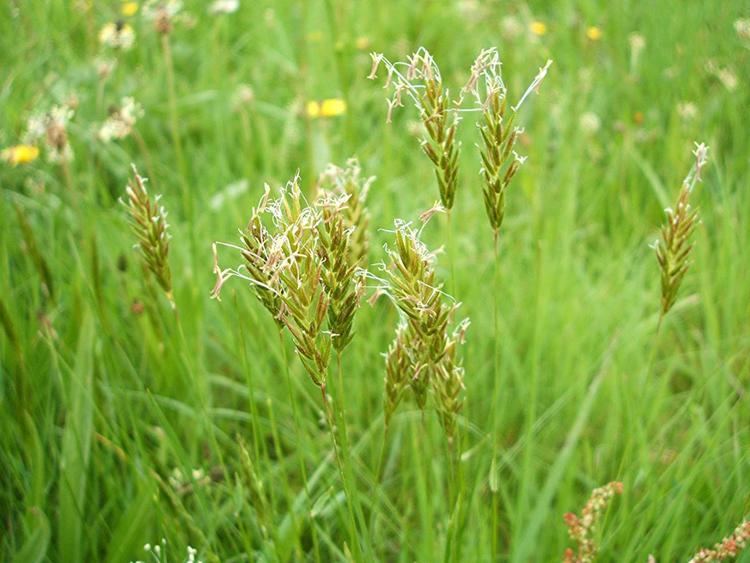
<point x="674" y="247"/>
<point x="149" y="224"/>
<point x="424" y="352"/>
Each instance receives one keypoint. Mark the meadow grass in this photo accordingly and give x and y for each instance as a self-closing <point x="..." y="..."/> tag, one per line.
<point x="124" y="421"/>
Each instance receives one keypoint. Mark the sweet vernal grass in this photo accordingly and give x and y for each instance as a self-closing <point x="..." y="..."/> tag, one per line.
<point x="424" y="354"/>
<point x="109" y="446"/>
<point x="306" y="272"/>
<point x="674" y="247"/>
<point x="148" y="221"/>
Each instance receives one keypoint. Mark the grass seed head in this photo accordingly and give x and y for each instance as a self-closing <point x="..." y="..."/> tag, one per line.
<point x="424" y="354"/>
<point x="582" y="528"/>
<point x="148" y="221"/>
<point x="300" y="260"/>
<point x="422" y="82"/>
<point x="348" y="181"/>
<point x="497" y="130"/>
<point x="674" y="247"/>
<point x="728" y="548"/>
<point x="339" y="274"/>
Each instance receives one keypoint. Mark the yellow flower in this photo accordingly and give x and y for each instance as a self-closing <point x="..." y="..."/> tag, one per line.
<point x="538" y="28"/>
<point x="20" y="154"/>
<point x="362" y="43"/>
<point x="312" y="109"/>
<point x="330" y="107"/>
<point x="129" y="9"/>
<point x="594" y="33"/>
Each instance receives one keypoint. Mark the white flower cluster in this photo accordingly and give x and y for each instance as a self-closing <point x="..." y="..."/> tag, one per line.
<point x="52" y="128"/>
<point x="224" y="6"/>
<point x="121" y="120"/>
<point x="117" y="35"/>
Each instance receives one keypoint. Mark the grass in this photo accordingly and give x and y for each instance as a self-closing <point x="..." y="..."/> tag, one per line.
<point x="124" y="423"/>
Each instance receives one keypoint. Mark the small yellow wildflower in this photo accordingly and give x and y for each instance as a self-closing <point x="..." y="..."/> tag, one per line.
<point x="129" y="9"/>
<point x="330" y="107"/>
<point x="312" y="109"/>
<point x="538" y="28"/>
<point x="20" y="154"/>
<point x="594" y="33"/>
<point x="362" y="43"/>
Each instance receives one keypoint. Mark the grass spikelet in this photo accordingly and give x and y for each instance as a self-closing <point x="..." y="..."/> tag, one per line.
<point x="348" y="181"/>
<point x="260" y="252"/>
<point x="674" y="247"/>
<point x="498" y="132"/>
<point x="728" y="548"/>
<point x="423" y="83"/>
<point x="424" y="353"/>
<point x="302" y="267"/>
<point x="582" y="528"/>
<point x="148" y="221"/>
<point x="397" y="367"/>
<point x="339" y="274"/>
<point x="294" y="271"/>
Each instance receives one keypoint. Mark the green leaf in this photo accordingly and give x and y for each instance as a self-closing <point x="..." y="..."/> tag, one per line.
<point x="76" y="445"/>
<point x="35" y="547"/>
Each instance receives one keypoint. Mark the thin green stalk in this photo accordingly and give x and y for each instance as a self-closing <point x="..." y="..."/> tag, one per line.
<point x="351" y="524"/>
<point x="451" y="251"/>
<point x="68" y="178"/>
<point x="496" y="320"/>
<point x="298" y="435"/>
<point x="143" y="148"/>
<point x="422" y="451"/>
<point x="174" y="124"/>
<point x="496" y="371"/>
<point x="347" y="474"/>
<point x="341" y="58"/>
